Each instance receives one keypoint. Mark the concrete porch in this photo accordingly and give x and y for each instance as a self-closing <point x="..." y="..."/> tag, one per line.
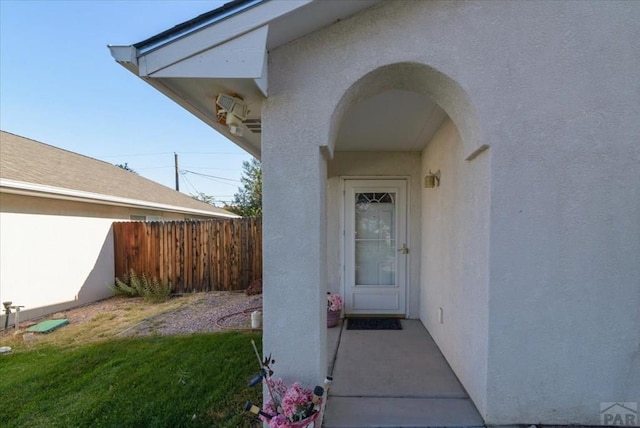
<point x="393" y="378"/>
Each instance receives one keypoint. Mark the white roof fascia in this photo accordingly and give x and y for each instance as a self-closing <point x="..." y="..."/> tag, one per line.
<point x="51" y="192"/>
<point x="262" y="81"/>
<point x="216" y="34"/>
<point x="240" y="58"/>
<point x="124" y="54"/>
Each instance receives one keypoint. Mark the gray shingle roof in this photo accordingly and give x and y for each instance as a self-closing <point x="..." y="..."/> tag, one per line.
<point x="26" y="160"/>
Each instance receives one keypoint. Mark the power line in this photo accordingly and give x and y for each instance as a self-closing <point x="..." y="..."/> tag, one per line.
<point x="154" y="167"/>
<point x="191" y="185"/>
<point x="192" y="166"/>
<point x="184" y="174"/>
<point x="212" y="153"/>
<point x="211" y="176"/>
<point x="170" y="153"/>
<point x="135" y="154"/>
<point x="216" y="199"/>
<point x="207" y="167"/>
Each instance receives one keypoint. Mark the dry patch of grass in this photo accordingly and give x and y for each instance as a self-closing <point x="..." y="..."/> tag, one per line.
<point x="97" y="322"/>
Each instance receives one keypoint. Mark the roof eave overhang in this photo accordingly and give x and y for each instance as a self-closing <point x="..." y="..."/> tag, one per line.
<point x="229" y="51"/>
<point x="59" y="193"/>
<point x="127" y="57"/>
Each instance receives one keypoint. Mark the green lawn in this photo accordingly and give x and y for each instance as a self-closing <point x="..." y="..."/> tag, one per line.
<point x="181" y="381"/>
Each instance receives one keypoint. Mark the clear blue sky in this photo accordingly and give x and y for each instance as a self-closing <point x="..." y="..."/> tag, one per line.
<point x="60" y="86"/>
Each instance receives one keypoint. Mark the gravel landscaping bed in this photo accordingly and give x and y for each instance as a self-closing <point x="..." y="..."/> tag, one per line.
<point x="212" y="312"/>
<point x="186" y="314"/>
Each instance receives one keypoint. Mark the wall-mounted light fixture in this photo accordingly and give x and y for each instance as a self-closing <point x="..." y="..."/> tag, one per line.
<point x="432" y="179"/>
<point x="236" y="111"/>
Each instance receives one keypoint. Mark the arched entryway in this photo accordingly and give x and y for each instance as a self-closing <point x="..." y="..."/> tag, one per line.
<point x="407" y="236"/>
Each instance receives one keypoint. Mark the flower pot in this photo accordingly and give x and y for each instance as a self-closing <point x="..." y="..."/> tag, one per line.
<point x="332" y="318"/>
<point x="304" y="423"/>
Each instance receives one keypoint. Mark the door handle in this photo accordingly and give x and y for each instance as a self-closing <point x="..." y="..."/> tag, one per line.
<point x="404" y="249"/>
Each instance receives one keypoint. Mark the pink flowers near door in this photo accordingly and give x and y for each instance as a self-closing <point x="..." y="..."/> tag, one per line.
<point x="334" y="307"/>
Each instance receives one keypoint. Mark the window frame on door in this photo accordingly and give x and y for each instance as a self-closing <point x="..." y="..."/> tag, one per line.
<point x="342" y="228"/>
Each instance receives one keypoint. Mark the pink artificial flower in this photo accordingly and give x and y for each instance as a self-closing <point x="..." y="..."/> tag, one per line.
<point x="288" y="405"/>
<point x="334" y="302"/>
<point x="279" y="421"/>
<point x="277" y="386"/>
<point x="296" y="402"/>
<point x="269" y="408"/>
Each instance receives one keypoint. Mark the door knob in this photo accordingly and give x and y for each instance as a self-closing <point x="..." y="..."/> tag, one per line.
<point x="404" y="249"/>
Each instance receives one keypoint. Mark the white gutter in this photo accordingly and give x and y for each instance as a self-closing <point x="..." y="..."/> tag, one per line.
<point x="59" y="193"/>
<point x="205" y="23"/>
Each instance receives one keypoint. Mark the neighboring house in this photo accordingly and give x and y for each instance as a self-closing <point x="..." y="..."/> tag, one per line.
<point x="475" y="165"/>
<point x="56" y="214"/>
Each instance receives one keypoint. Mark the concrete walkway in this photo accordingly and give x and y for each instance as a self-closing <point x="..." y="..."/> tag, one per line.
<point x="393" y="378"/>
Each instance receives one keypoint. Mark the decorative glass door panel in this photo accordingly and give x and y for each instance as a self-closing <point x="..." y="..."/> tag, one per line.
<point x="375" y="241"/>
<point x="375" y="246"/>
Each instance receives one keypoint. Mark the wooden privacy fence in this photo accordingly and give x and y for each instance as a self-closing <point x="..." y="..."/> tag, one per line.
<point x="192" y="256"/>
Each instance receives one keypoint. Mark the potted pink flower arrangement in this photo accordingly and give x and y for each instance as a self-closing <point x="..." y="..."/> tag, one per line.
<point x="334" y="307"/>
<point x="288" y="406"/>
<point x="292" y="406"/>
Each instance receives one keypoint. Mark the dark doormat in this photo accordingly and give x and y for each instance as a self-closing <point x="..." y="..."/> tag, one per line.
<point x="374" y="324"/>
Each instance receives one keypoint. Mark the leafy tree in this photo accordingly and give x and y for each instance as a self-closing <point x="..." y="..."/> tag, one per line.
<point x="248" y="201"/>
<point x="126" y="167"/>
<point x="203" y="197"/>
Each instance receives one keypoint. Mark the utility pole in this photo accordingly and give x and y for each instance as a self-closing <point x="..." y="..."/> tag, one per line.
<point x="175" y="158"/>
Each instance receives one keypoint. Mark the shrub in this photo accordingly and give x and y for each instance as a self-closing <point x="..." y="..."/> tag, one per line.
<point x="133" y="285"/>
<point x="155" y="291"/>
<point x="129" y="285"/>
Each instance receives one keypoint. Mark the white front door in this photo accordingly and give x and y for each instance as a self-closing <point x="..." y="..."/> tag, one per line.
<point x="375" y="243"/>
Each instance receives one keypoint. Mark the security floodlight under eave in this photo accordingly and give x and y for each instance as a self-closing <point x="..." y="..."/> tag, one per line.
<point x="232" y="105"/>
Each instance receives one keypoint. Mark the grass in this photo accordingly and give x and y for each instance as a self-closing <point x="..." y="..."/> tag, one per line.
<point x="183" y="381"/>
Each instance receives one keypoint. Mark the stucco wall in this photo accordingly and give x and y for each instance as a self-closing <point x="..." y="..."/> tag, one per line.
<point x="57" y="254"/>
<point x="455" y="261"/>
<point x="380" y="165"/>
<point x="294" y="251"/>
<point x="554" y="90"/>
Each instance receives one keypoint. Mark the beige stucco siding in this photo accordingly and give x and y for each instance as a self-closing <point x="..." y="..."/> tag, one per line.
<point x="552" y="88"/>
<point x="56" y="254"/>
<point x="454" y="268"/>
